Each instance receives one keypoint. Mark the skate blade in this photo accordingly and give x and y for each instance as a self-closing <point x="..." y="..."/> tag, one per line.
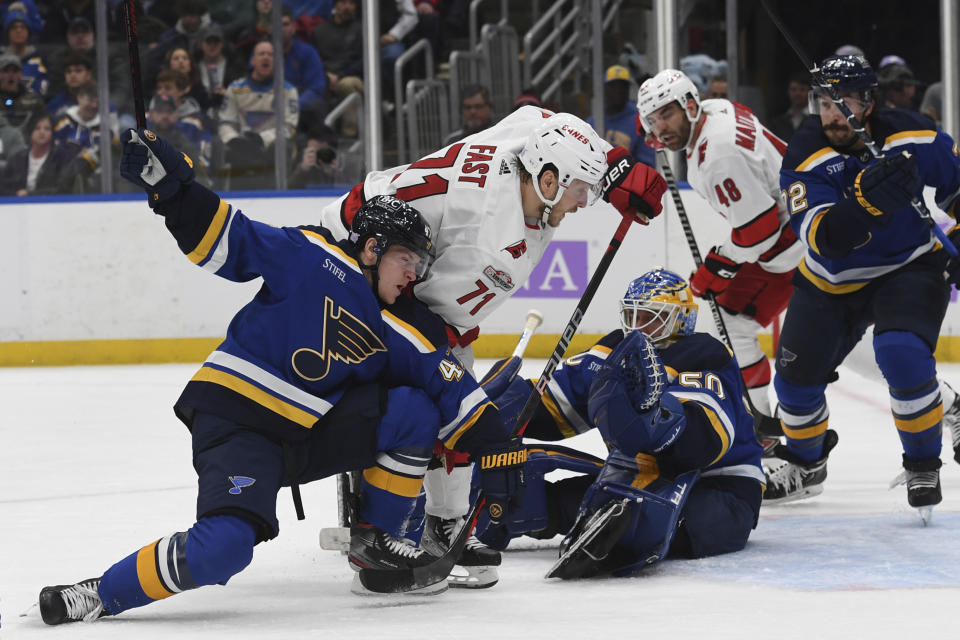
<point x="473" y="577"/>
<point x="926" y="514"/>
<point x="335" y="539"/>
<point x="357" y="588"/>
<point x="808" y="492"/>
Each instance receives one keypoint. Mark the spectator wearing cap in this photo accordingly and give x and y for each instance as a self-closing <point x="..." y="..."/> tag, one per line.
<point x="17" y="102"/>
<point x="16" y="29"/>
<point x="785" y="124"/>
<point x="476" y="111"/>
<point x="39" y="168"/>
<point x="620" y="115"/>
<point x="77" y="71"/>
<point x="29" y="8"/>
<point x="339" y="41"/>
<point x="163" y="120"/>
<point x="248" y="122"/>
<point x="218" y="65"/>
<point x="896" y="82"/>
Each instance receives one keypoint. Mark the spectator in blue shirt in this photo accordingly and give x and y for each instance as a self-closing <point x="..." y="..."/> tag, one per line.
<point x="620" y="116"/>
<point x="303" y="69"/>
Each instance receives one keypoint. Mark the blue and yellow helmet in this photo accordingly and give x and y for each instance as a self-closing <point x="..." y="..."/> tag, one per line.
<point x="660" y="304"/>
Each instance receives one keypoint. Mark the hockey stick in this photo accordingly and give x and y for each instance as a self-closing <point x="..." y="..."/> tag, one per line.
<point x="338" y="538"/>
<point x="526" y="414"/>
<point x="858" y="127"/>
<point x="664" y="165"/>
<point x="130" y="24"/>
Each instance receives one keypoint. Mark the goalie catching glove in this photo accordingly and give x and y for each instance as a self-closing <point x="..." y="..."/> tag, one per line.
<point x="714" y="275"/>
<point x="154" y="164"/>
<point x="627" y="401"/>
<point x="633" y="188"/>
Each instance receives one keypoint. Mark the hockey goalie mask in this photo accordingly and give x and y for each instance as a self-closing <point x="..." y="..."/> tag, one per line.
<point x="667" y="86"/>
<point x="659" y="303"/>
<point x="573" y="148"/>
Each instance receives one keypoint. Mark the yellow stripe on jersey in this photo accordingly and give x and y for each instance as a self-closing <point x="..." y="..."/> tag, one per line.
<point x="717" y="425"/>
<point x="565" y="428"/>
<point x="812" y="230"/>
<point x="203" y="249"/>
<point x="332" y="247"/>
<point x="818" y="157"/>
<point x="906" y="137"/>
<point x="920" y="423"/>
<point x="451" y="442"/>
<point x="392" y="483"/>
<point x="148" y="575"/>
<point x="825" y="285"/>
<point x="806" y="432"/>
<point x="411" y="331"/>
<point x="255" y="393"/>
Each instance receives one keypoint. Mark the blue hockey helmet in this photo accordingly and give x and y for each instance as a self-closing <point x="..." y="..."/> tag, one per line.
<point x="392" y="221"/>
<point x="660" y="304"/>
<point x="849" y="74"/>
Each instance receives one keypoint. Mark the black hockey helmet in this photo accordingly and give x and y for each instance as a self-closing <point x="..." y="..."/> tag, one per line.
<point x="849" y="74"/>
<point x="392" y="221"/>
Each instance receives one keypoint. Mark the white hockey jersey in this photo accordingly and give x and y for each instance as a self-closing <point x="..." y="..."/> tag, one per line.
<point x="735" y="166"/>
<point x="469" y="193"/>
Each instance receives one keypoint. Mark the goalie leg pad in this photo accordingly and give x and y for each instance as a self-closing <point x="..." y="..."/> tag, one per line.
<point x="718" y="517"/>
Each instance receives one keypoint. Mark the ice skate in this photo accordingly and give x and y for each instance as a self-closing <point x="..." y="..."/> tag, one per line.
<point x="951" y="421"/>
<point x="476" y="568"/>
<point x="71" y="603"/>
<point x="790" y="479"/>
<point x="923" y="485"/>
<point x="372" y="549"/>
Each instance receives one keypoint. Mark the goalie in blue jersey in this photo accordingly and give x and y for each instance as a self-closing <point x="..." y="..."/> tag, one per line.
<point x="328" y="368"/>
<point x="683" y="475"/>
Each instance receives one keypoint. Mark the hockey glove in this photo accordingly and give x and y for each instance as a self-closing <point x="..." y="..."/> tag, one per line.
<point x="500" y="376"/>
<point x="501" y="476"/>
<point x="886" y="186"/>
<point x="714" y="275"/>
<point x="154" y="165"/>
<point x="634" y="189"/>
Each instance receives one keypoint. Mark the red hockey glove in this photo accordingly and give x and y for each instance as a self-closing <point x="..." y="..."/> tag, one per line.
<point x="634" y="189"/>
<point x="714" y="275"/>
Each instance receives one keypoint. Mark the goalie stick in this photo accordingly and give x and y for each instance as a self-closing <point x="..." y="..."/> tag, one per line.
<point x="858" y="127"/>
<point x="338" y="538"/>
<point x="759" y="418"/>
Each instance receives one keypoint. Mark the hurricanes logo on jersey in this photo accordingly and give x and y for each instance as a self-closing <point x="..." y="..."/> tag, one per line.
<point x="345" y="338"/>
<point x="500" y="278"/>
<point x="516" y="249"/>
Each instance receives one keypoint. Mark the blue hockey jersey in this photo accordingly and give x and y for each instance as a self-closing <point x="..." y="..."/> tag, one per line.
<point x="313" y="330"/>
<point x="815" y="176"/>
<point x="702" y="374"/>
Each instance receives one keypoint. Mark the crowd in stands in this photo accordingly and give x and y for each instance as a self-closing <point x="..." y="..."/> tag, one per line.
<point x="207" y="73"/>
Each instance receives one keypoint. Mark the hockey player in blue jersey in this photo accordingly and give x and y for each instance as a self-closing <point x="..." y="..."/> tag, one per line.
<point x="869" y="259"/>
<point x="683" y="476"/>
<point x="327" y="369"/>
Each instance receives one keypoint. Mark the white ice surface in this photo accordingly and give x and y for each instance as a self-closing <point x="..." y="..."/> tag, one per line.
<point x="93" y="465"/>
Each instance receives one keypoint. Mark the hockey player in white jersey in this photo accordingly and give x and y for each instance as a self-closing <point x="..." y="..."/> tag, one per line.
<point x="733" y="162"/>
<point x="495" y="199"/>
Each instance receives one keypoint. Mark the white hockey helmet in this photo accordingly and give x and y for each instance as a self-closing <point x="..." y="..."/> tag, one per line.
<point x="569" y="144"/>
<point x="667" y="86"/>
